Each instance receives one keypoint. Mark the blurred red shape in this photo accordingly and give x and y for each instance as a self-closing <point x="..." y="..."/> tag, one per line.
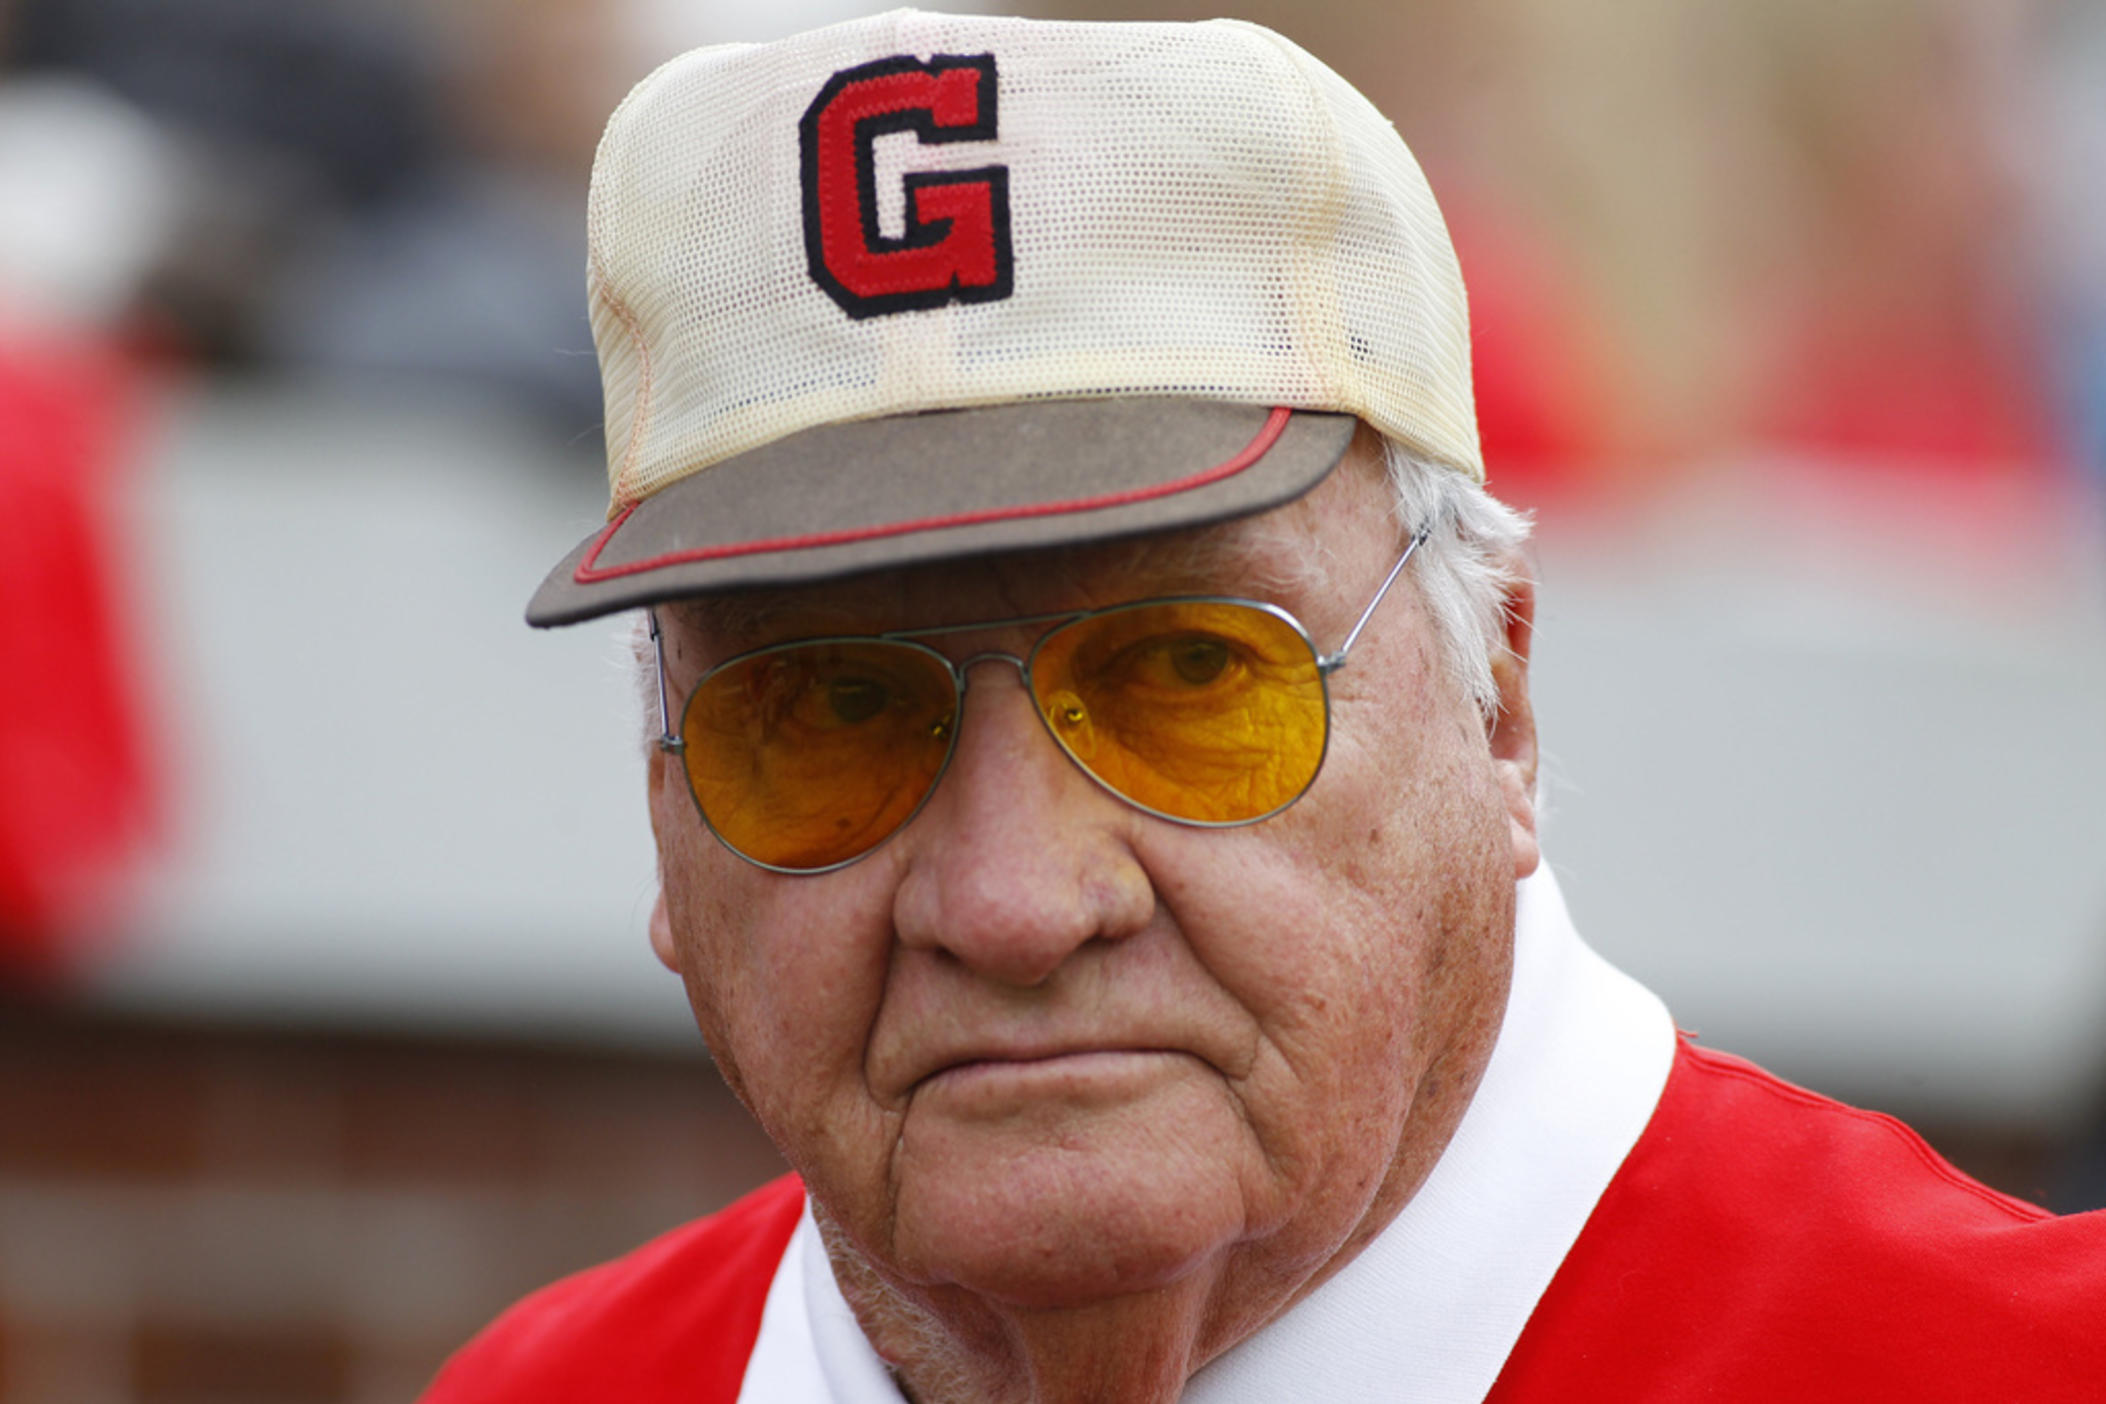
<point x="76" y="796"/>
<point x="1537" y="361"/>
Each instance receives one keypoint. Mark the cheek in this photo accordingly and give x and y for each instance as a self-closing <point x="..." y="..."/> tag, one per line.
<point x="1334" y="980"/>
<point x="711" y="949"/>
<point x="785" y="982"/>
<point x="1364" y="931"/>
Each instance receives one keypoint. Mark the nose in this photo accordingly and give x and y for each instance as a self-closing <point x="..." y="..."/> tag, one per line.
<point x="1019" y="858"/>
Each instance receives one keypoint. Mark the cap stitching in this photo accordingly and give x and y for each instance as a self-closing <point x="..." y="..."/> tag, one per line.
<point x="1315" y="275"/>
<point x="639" y="420"/>
<point x="588" y="572"/>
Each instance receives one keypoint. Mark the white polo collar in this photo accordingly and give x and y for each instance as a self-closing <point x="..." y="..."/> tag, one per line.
<point x="1430" y="1309"/>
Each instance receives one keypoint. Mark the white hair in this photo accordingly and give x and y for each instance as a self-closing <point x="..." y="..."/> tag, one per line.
<point x="1468" y="563"/>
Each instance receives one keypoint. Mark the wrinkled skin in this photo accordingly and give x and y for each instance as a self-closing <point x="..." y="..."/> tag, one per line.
<point x="1083" y="1097"/>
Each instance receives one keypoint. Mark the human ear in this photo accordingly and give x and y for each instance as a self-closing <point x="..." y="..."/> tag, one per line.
<point x="1511" y="729"/>
<point x="658" y="766"/>
<point x="662" y="935"/>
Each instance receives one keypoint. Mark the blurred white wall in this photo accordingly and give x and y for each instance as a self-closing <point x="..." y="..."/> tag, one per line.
<point x="395" y="802"/>
<point x="1836" y="795"/>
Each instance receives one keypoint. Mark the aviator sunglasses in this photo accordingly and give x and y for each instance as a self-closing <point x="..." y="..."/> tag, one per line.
<point x="1208" y="711"/>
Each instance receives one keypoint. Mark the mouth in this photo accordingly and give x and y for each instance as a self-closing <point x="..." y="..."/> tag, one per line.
<point x="1065" y="1070"/>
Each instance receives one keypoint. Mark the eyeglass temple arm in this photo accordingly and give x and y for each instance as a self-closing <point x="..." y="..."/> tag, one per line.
<point x="667" y="741"/>
<point x="1331" y="663"/>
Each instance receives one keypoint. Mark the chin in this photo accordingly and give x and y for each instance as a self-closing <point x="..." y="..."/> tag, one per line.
<point x="1059" y="1255"/>
<point x="1054" y="1221"/>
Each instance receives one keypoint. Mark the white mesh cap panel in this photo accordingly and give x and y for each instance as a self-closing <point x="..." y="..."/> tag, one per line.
<point x="1195" y="210"/>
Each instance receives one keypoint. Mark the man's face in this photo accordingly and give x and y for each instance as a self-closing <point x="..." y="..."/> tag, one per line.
<point x="1043" y="1048"/>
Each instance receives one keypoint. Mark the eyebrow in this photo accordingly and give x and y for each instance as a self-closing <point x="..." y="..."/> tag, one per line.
<point x="1188" y="561"/>
<point x="728" y="613"/>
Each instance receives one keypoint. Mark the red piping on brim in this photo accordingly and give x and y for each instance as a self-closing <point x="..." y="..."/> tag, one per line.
<point x="589" y="573"/>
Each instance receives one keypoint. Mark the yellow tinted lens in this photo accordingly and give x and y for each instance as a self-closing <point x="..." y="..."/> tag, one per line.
<point x="1203" y="710"/>
<point x="808" y="755"/>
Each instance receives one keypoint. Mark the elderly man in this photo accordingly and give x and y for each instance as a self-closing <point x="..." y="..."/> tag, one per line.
<point x="1095" y="797"/>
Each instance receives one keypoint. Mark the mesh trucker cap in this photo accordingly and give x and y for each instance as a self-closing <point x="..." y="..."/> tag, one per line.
<point x="924" y="286"/>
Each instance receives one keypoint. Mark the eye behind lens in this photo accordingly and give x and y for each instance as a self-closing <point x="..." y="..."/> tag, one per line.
<point x="809" y="755"/>
<point x="856" y="699"/>
<point x="1199" y="660"/>
<point x="1208" y="711"/>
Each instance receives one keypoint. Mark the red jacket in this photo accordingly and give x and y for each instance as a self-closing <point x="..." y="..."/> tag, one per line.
<point x="1760" y="1243"/>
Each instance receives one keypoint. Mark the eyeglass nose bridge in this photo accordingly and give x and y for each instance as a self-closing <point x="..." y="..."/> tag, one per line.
<point x="964" y="666"/>
<point x="1047" y="711"/>
<point x="992" y="655"/>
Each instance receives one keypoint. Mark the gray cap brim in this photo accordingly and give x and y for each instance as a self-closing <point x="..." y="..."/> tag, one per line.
<point x="880" y="493"/>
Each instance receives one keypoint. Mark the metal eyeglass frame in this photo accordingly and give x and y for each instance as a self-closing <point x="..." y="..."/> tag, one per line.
<point x="1326" y="664"/>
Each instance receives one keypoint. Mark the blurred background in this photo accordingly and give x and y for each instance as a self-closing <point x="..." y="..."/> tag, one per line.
<point x="328" y="1023"/>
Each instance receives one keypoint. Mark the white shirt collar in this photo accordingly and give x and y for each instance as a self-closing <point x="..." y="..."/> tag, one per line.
<point x="1431" y="1308"/>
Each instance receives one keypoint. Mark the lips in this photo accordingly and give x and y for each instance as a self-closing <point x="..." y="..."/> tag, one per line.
<point x="1035" y="1059"/>
<point x="1083" y="1077"/>
<point x="1026" y="1061"/>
